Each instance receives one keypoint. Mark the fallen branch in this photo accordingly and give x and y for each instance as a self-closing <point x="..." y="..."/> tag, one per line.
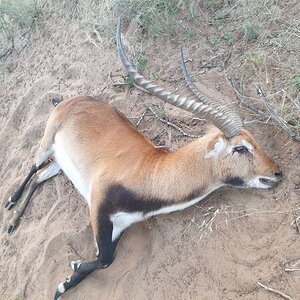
<point x="163" y="120"/>
<point x="110" y="76"/>
<point x="275" y="117"/>
<point x="275" y="291"/>
<point x="27" y="39"/>
<point x="292" y="265"/>
<point x="142" y="117"/>
<point x="6" y="53"/>
<point x="92" y="41"/>
<point x="73" y="250"/>
<point x="285" y="94"/>
<point x="296" y="222"/>
<point x="240" y="96"/>
<point x="113" y="83"/>
<point x="217" y="62"/>
<point x="225" y="61"/>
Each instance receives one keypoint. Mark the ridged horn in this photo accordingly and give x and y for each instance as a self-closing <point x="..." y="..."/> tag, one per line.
<point x="232" y="122"/>
<point x="213" y="112"/>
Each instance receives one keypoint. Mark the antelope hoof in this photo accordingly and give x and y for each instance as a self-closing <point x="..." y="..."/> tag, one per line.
<point x="75" y="264"/>
<point x="61" y="288"/>
<point x="11" y="227"/>
<point x="71" y="281"/>
<point x="9" y="203"/>
<point x="12" y="224"/>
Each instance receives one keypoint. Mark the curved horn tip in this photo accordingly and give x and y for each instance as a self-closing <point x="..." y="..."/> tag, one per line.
<point x="119" y="22"/>
<point x="118" y="32"/>
<point x="181" y="51"/>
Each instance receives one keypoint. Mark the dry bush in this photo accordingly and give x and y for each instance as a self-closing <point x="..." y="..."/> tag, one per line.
<point x="17" y="19"/>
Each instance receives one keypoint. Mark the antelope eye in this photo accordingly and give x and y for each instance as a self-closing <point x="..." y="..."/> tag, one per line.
<point x="240" y="149"/>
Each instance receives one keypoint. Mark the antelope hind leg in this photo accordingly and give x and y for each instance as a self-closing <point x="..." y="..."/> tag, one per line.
<point x="50" y="170"/>
<point x="41" y="162"/>
<point x="17" y="194"/>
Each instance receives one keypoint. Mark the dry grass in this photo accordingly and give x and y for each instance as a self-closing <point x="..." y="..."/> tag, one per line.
<point x="17" y="19"/>
<point x="206" y="220"/>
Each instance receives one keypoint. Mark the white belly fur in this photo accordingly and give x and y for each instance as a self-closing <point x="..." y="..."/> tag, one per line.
<point x="65" y="163"/>
<point x="122" y="220"/>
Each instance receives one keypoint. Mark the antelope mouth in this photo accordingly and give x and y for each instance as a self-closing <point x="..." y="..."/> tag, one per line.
<point x="267" y="181"/>
<point x="262" y="182"/>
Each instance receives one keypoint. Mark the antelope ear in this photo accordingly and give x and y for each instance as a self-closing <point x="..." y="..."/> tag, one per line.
<point x="214" y="147"/>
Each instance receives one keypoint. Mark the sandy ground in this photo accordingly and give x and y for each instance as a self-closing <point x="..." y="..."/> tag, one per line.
<point x="218" y="249"/>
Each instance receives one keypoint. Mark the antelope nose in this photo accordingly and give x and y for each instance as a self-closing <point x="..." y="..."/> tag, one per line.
<point x="278" y="173"/>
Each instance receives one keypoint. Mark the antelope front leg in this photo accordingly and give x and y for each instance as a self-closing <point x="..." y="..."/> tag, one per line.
<point x="106" y="248"/>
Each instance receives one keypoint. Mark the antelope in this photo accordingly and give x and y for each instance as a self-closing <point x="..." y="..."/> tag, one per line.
<point x="125" y="179"/>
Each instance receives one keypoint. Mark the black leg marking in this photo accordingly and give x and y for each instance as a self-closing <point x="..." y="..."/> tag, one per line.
<point x="18" y="213"/>
<point x="114" y="245"/>
<point x="14" y="198"/>
<point x="105" y="244"/>
<point x="105" y="258"/>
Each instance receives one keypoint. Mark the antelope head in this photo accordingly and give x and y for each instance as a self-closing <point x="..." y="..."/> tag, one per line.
<point x="231" y="154"/>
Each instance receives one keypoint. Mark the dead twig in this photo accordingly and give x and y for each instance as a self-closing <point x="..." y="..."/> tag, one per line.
<point x="163" y="120"/>
<point x="244" y="214"/>
<point x="275" y="117"/>
<point x="9" y="50"/>
<point x="240" y="96"/>
<point x="26" y="39"/>
<point x="207" y="224"/>
<point x="73" y="250"/>
<point x="225" y="61"/>
<point x="275" y="291"/>
<point x="296" y="222"/>
<point x="92" y="40"/>
<point x="6" y="53"/>
<point x="118" y="84"/>
<point x="217" y="62"/>
<point x="285" y="94"/>
<point x="292" y="265"/>
<point x="142" y="117"/>
<point x="113" y="83"/>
